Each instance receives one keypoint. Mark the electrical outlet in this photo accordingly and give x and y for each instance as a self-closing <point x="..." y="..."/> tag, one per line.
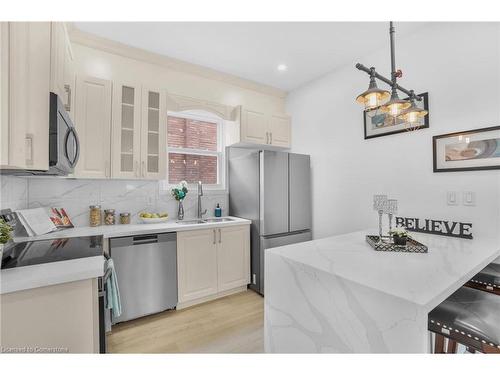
<point x="469" y="198"/>
<point x="451" y="198"/>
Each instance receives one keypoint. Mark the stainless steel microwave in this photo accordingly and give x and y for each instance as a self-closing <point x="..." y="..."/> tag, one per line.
<point x="64" y="146"/>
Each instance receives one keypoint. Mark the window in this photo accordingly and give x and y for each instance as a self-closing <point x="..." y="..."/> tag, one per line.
<point x="194" y="149"/>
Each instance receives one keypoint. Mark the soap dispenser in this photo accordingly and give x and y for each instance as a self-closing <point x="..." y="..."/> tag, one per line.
<point x="218" y="211"/>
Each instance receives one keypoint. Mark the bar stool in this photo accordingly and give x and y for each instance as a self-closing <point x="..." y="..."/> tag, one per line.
<point x="487" y="280"/>
<point x="469" y="317"/>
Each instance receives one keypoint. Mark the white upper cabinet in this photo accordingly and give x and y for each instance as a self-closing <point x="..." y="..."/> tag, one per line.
<point x="93" y="125"/>
<point x="126" y="131"/>
<point x="260" y="128"/>
<point x="25" y="94"/>
<point x="62" y="67"/>
<point x="138" y="142"/>
<point x="254" y="127"/>
<point x="35" y="59"/>
<point x="279" y="130"/>
<point x="153" y="134"/>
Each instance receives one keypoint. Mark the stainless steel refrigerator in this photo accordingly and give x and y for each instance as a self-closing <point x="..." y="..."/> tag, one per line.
<point x="273" y="189"/>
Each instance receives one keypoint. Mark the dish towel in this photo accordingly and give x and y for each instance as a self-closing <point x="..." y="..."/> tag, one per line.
<point x="112" y="292"/>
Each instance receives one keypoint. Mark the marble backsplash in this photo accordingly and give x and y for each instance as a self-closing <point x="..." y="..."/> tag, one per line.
<point x="76" y="195"/>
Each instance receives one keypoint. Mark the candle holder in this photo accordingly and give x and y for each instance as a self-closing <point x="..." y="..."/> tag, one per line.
<point x="391" y="208"/>
<point x="379" y="204"/>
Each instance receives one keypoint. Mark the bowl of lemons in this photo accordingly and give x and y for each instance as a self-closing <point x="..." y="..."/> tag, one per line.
<point x="151" y="218"/>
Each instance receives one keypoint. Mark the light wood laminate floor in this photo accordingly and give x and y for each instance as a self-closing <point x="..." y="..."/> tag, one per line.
<point x="233" y="324"/>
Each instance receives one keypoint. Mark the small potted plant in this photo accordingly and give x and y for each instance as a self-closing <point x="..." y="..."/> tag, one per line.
<point x="5" y="235"/>
<point x="179" y="193"/>
<point x="400" y="236"/>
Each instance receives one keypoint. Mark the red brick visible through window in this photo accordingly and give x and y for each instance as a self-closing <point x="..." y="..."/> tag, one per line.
<point x="191" y="134"/>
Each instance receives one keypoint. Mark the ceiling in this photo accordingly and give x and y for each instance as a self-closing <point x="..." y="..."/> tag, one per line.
<point x="253" y="50"/>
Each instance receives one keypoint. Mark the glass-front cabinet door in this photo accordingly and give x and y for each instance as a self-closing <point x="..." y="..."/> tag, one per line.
<point x="126" y="142"/>
<point x="153" y="138"/>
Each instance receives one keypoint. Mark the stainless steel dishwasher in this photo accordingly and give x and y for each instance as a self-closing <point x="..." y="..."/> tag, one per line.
<point x="146" y="268"/>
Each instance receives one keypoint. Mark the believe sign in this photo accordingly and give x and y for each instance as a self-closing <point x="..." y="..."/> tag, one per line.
<point x="439" y="227"/>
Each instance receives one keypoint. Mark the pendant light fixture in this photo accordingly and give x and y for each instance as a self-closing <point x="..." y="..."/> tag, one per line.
<point x="374" y="97"/>
<point x="413" y="114"/>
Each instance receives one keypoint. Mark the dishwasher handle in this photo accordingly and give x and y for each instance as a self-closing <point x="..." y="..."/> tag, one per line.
<point x="142" y="239"/>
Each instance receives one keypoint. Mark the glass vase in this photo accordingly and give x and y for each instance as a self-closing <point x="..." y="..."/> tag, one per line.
<point x="180" y="211"/>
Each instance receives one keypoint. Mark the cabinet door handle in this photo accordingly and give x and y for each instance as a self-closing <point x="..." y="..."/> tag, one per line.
<point x="271" y="138"/>
<point x="215" y="239"/>
<point x="29" y="149"/>
<point x="136" y="167"/>
<point x="220" y="236"/>
<point x="267" y="138"/>
<point x="67" y="106"/>
<point x="107" y="169"/>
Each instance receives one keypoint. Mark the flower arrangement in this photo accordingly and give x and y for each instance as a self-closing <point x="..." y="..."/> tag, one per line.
<point x="400" y="232"/>
<point x="180" y="191"/>
<point x="400" y="236"/>
<point x="5" y="232"/>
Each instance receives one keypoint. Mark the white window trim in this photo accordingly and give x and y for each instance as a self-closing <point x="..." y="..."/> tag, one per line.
<point x="201" y="115"/>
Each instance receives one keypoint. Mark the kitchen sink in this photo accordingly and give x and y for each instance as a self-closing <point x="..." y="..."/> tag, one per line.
<point x="187" y="222"/>
<point x="205" y="221"/>
<point x="218" y="219"/>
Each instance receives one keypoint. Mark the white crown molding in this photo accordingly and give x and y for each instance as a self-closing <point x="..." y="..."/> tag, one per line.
<point x="93" y="41"/>
<point x="178" y="103"/>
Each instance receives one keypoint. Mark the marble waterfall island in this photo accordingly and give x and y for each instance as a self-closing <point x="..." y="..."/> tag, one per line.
<point x="339" y="295"/>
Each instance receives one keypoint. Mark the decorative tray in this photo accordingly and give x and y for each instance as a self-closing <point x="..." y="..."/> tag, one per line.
<point x="412" y="246"/>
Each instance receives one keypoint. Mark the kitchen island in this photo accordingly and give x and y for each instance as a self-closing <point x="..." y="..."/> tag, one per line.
<point x="339" y="295"/>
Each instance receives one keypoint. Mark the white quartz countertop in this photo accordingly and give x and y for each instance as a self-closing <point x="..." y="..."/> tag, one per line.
<point x="423" y="279"/>
<point x="120" y="230"/>
<point x="45" y="274"/>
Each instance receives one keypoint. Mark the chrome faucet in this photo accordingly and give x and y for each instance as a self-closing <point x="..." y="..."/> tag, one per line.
<point x="200" y="194"/>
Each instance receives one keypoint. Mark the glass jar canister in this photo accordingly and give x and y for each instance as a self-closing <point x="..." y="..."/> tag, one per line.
<point x="109" y="217"/>
<point x="95" y="216"/>
<point x="125" y="218"/>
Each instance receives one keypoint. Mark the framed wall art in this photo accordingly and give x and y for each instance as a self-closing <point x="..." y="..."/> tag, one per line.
<point x="471" y="150"/>
<point x="378" y="123"/>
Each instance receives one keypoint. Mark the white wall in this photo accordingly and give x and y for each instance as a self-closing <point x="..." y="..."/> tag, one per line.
<point x="459" y="65"/>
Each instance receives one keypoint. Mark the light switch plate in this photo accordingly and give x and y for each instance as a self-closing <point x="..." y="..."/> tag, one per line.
<point x="469" y="198"/>
<point x="451" y="198"/>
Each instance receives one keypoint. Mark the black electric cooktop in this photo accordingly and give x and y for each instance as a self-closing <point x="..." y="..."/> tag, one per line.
<point x="48" y="251"/>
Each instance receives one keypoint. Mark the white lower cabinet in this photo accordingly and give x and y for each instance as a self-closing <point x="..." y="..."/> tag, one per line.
<point x="212" y="261"/>
<point x="196" y="264"/>
<point x="233" y="257"/>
